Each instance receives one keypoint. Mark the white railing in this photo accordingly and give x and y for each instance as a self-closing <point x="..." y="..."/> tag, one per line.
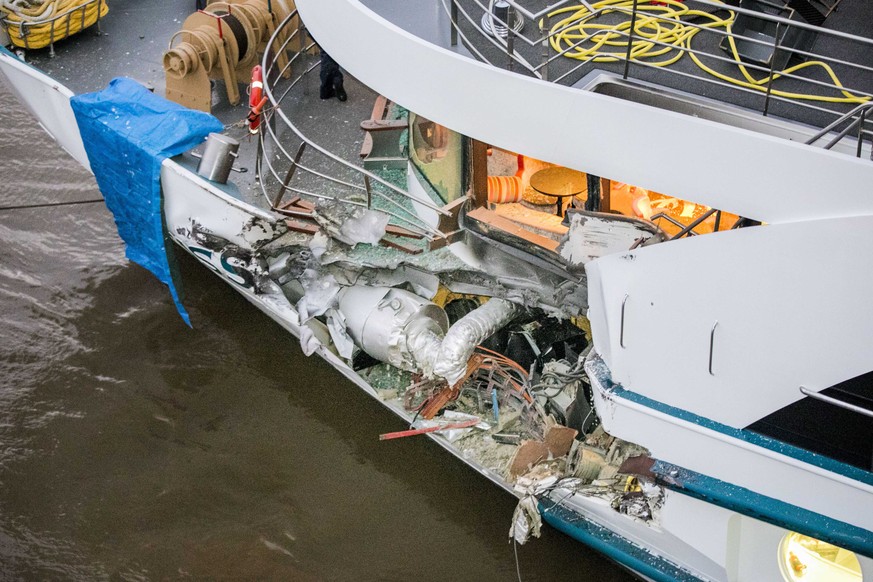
<point x="285" y="151"/>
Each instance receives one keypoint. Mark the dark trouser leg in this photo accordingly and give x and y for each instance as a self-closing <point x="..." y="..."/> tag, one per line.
<point x="338" y="86"/>
<point x="328" y="74"/>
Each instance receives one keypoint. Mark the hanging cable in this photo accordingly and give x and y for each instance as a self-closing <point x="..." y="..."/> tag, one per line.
<point x="50" y="204"/>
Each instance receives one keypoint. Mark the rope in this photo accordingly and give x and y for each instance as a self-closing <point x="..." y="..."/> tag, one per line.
<point x="661" y="38"/>
<point x="50" y="204"/>
<point x="29" y="22"/>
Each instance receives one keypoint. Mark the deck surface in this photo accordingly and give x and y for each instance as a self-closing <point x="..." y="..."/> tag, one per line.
<point x="132" y="40"/>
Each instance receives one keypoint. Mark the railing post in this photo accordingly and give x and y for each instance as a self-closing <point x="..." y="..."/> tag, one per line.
<point x="289" y="175"/>
<point x="454" y="23"/>
<point x="258" y="154"/>
<point x="772" y="68"/>
<point x="301" y="34"/>
<point x="52" y="39"/>
<point x="630" y="39"/>
<point x="369" y="192"/>
<point x="861" y="120"/>
<point x="545" y="30"/>
<point x="510" y="38"/>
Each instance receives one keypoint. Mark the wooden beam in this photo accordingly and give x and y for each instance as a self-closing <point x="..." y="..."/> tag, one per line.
<point x="479" y="173"/>
<point x="494" y="220"/>
<point x="605" y="194"/>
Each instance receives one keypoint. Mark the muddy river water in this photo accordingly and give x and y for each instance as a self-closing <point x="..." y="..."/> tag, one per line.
<point x="135" y="448"/>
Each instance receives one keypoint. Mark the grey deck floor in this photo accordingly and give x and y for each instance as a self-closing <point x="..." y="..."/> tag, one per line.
<point x="133" y="38"/>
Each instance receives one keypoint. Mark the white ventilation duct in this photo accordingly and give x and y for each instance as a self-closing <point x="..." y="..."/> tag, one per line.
<point x="411" y="333"/>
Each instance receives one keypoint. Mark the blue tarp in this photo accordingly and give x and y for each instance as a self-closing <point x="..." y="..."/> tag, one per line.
<point x="128" y="131"/>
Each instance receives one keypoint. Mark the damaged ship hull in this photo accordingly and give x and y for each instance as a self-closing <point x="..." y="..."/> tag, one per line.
<point x="468" y="317"/>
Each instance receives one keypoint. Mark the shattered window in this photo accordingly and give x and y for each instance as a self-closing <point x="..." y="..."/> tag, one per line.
<point x="437" y="153"/>
<point x="807" y="559"/>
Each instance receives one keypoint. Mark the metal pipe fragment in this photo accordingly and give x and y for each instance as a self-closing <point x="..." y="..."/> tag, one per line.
<point x="408" y="332"/>
<point x="467" y="333"/>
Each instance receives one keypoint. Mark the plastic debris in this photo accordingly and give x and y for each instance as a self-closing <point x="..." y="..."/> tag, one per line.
<point x="321" y="291"/>
<point x="308" y="342"/>
<point x="541" y="478"/>
<point x="457" y="416"/>
<point x="495" y="407"/>
<point x="336" y="325"/>
<point x="366" y="227"/>
<point x="635" y="504"/>
<point x="318" y="244"/>
<point x="452" y="424"/>
<point x="526" y="520"/>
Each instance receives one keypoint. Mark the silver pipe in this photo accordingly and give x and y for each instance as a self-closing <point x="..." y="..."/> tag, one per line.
<point x="450" y="362"/>
<point x="836" y="402"/>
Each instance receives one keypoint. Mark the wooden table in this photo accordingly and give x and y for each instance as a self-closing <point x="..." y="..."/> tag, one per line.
<point x="559" y="183"/>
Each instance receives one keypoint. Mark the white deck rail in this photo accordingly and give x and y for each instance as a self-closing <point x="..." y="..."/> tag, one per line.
<point x="278" y="161"/>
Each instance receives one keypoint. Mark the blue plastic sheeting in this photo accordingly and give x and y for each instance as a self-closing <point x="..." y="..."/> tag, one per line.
<point x="128" y="131"/>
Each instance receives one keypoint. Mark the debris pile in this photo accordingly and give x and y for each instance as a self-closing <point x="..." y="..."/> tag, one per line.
<point x="507" y="424"/>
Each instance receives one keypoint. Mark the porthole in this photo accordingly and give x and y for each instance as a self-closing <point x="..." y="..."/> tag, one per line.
<point x="806" y="559"/>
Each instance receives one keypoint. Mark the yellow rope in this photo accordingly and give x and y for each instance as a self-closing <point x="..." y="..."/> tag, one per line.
<point x="27" y="29"/>
<point x="661" y="38"/>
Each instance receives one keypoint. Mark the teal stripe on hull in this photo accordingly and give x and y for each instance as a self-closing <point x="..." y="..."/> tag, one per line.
<point x="613" y="545"/>
<point x="826" y="463"/>
<point x="745" y="501"/>
<point x="764" y="508"/>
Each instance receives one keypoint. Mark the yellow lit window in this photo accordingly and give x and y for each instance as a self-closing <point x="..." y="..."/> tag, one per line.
<point x="806" y="559"/>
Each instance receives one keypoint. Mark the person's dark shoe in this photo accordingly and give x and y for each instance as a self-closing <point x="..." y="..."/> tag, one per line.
<point x="340" y="92"/>
<point x="327" y="92"/>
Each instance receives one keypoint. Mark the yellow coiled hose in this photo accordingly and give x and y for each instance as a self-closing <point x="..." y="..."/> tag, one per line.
<point x="661" y="38"/>
<point x="29" y="23"/>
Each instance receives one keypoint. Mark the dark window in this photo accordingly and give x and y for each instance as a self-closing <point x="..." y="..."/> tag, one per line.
<point x="827" y="429"/>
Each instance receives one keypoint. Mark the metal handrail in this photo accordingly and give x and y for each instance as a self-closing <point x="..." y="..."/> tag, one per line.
<point x="276" y="108"/>
<point x="836" y="402"/>
<point x="689" y="229"/>
<point x="753" y="66"/>
<point x="269" y="140"/>
<point x="669" y="219"/>
<point x="718" y="5"/>
<point x="549" y="56"/>
<point x="861" y="112"/>
<point x="729" y="60"/>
